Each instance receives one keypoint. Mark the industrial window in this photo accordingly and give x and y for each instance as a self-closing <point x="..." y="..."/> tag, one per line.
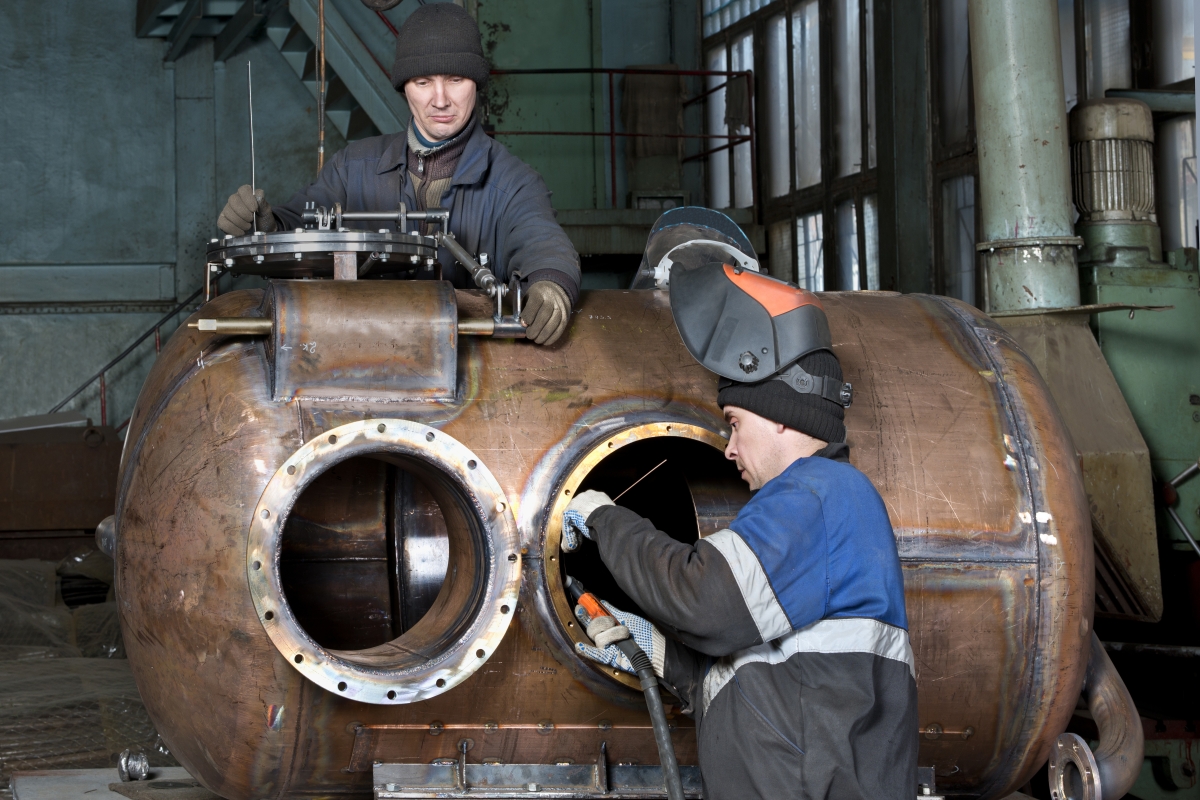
<point x="958" y="237"/>
<point x="720" y="14"/>
<point x="815" y="71"/>
<point x="729" y="113"/>
<point x="810" y="232"/>
<point x="954" y="161"/>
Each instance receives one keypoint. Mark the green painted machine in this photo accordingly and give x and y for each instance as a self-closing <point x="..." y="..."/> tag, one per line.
<point x="1153" y="354"/>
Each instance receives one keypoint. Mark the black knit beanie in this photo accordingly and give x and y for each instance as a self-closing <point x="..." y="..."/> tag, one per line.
<point x="779" y="402"/>
<point x="439" y="39"/>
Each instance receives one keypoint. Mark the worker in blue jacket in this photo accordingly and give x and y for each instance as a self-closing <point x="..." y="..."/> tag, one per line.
<point x="785" y="635"/>
<point x="498" y="204"/>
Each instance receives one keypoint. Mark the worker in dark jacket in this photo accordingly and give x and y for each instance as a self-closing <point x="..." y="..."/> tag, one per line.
<point x="785" y="634"/>
<point x="498" y="204"/>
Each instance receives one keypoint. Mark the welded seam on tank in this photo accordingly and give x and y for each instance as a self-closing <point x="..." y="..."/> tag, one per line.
<point x="1005" y="394"/>
<point x="230" y="347"/>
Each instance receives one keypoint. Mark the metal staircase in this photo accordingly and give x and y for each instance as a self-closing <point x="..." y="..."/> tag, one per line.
<point x="300" y="52"/>
<point x="360" y="100"/>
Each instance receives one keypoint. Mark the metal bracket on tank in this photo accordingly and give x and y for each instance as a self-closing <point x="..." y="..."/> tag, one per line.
<point x="455" y="776"/>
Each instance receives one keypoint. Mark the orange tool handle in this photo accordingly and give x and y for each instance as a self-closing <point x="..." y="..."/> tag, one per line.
<point x="592" y="606"/>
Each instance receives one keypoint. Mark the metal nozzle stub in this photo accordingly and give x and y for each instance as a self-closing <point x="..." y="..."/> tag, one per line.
<point x="237" y="326"/>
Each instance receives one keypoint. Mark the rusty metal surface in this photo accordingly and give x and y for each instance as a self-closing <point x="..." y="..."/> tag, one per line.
<point x="58" y="478"/>
<point x="1114" y="456"/>
<point x="397" y="344"/>
<point x="951" y="421"/>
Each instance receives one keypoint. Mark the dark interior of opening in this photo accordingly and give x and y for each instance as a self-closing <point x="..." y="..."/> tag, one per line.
<point x="364" y="554"/>
<point x="697" y="491"/>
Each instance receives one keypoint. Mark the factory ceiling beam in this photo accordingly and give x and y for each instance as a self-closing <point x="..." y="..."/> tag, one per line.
<point x="182" y="30"/>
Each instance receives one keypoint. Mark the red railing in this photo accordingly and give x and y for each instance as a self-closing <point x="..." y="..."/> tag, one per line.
<point x="102" y="376"/>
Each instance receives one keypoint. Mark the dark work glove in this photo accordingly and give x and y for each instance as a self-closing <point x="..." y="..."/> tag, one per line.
<point x="546" y="313"/>
<point x="237" y="218"/>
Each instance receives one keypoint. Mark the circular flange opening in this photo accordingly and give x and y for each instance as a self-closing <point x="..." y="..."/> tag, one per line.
<point x="693" y="491"/>
<point x="364" y="553"/>
<point x="373" y="480"/>
<point x="1072" y="771"/>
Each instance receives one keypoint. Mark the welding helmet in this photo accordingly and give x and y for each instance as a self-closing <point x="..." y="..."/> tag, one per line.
<point x="691" y="237"/>
<point x="751" y="328"/>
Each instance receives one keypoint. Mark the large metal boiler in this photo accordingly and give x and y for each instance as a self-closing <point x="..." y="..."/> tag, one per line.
<point x="336" y="538"/>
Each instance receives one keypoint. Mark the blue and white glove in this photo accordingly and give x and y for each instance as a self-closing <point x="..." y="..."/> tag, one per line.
<point x="605" y="632"/>
<point x="574" y="521"/>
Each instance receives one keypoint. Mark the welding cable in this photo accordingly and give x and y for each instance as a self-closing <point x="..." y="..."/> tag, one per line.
<point x="645" y="672"/>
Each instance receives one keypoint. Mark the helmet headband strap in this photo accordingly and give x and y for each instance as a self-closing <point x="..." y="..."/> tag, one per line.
<point x="662" y="270"/>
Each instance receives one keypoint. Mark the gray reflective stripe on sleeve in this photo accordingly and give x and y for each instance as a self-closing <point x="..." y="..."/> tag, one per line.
<point x="658" y="651"/>
<point x="824" y="636"/>
<point x="752" y="581"/>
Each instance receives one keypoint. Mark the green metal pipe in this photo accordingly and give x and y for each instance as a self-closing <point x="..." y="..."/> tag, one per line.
<point x="1028" y="243"/>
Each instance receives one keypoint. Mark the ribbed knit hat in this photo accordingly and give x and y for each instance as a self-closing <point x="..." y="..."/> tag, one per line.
<point x="777" y="401"/>
<point x="439" y="39"/>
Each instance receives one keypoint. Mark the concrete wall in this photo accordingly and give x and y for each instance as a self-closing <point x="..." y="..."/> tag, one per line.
<point x="116" y="166"/>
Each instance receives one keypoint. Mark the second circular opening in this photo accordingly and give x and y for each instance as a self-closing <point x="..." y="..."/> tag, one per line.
<point x="692" y="491"/>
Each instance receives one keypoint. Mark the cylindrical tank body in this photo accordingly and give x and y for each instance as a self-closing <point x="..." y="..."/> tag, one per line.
<point x="234" y="470"/>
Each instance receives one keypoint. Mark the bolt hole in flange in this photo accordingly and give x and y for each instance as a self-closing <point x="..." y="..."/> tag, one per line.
<point x="384" y="567"/>
<point x="1072" y="773"/>
<point x="695" y="493"/>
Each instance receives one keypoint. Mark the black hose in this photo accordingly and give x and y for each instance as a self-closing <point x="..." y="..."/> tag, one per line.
<point x="658" y="718"/>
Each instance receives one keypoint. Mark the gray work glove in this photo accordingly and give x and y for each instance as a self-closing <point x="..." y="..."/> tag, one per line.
<point x="607" y="631"/>
<point x="546" y="313"/>
<point x="237" y="218"/>
<point x="575" y="517"/>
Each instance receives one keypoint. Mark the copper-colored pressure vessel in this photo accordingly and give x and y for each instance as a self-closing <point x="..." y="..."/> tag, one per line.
<point x="337" y="544"/>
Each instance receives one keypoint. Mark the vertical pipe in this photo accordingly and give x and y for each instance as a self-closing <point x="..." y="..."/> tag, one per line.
<point x="1025" y="183"/>
<point x="1081" y="51"/>
<point x="749" y="78"/>
<point x="158" y="340"/>
<point x="320" y="85"/>
<point x="103" y="400"/>
<point x="612" y="137"/>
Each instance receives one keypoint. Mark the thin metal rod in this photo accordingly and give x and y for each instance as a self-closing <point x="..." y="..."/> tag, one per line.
<point x="726" y="146"/>
<point x="639" y="480"/>
<point x="320" y="85"/>
<point x="612" y="71"/>
<point x="253" y="171"/>
<point x="1187" y="473"/>
<point x="131" y="347"/>
<point x="739" y="137"/>
<point x="1184" y="529"/>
